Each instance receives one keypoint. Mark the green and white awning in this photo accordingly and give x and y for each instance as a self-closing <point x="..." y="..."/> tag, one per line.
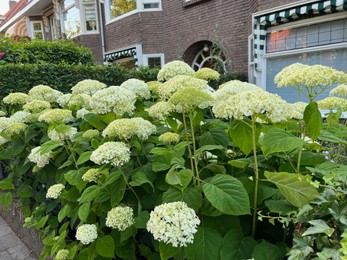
<point x="261" y="23"/>
<point x="131" y="52"/>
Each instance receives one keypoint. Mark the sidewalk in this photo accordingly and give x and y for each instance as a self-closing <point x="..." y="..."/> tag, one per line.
<point x="11" y="247"/>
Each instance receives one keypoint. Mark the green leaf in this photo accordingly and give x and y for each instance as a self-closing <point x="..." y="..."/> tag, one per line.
<point x="236" y="246"/>
<point x="265" y="250"/>
<point x="277" y="140"/>
<point x="140" y="178"/>
<point x="89" y="194"/>
<point x="112" y="178"/>
<point x="64" y="212"/>
<point x="227" y="194"/>
<point x="7" y="184"/>
<point x="49" y="146"/>
<point x="313" y="120"/>
<point x="206" y="246"/>
<point x="84" y="157"/>
<point x="330" y="137"/>
<point x="141" y="219"/>
<point x="105" y="246"/>
<point x="83" y="211"/>
<point x="191" y="196"/>
<point x="280" y="206"/>
<point x="294" y="187"/>
<point x="319" y="226"/>
<point x="75" y="178"/>
<point x="167" y="251"/>
<point x="5" y="200"/>
<point x="25" y="192"/>
<point x="240" y="163"/>
<point x="179" y="179"/>
<point x="208" y="148"/>
<point x="241" y="134"/>
<point x="93" y="120"/>
<point x="216" y="136"/>
<point x="42" y="222"/>
<point x="12" y="150"/>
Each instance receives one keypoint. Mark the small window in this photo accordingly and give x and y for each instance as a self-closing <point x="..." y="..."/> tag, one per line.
<point x="150" y="5"/>
<point x="120" y="7"/>
<point x="37" y="30"/>
<point x="90" y="15"/>
<point x="154" y="62"/>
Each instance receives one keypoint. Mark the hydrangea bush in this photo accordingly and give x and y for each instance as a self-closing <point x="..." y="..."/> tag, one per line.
<point x="175" y="169"/>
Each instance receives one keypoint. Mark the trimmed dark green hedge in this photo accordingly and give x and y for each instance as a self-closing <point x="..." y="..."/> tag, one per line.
<point x="21" y="78"/>
<point x="40" y="52"/>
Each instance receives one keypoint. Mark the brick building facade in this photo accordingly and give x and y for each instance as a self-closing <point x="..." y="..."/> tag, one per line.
<point x="153" y="32"/>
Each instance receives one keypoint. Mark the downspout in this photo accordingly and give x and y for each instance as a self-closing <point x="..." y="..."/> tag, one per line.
<point x="101" y="24"/>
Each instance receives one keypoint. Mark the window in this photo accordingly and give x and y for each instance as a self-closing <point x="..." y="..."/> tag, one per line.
<point x="53" y="28"/>
<point x="121" y="8"/>
<point x="78" y="17"/>
<point x="153" y="60"/>
<point x="37" y="30"/>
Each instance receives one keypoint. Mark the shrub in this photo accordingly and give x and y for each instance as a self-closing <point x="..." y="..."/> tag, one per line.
<point x="40" y="52"/>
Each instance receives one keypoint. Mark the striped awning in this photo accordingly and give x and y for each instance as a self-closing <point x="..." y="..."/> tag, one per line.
<point x="261" y="23"/>
<point x="131" y="52"/>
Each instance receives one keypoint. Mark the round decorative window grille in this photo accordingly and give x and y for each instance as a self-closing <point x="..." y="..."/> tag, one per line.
<point x="207" y="58"/>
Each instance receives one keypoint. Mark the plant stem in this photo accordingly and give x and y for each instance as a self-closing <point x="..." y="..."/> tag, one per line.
<point x="131" y="188"/>
<point x="189" y="149"/>
<point x="299" y="160"/>
<point x="194" y="150"/>
<point x="256" y="177"/>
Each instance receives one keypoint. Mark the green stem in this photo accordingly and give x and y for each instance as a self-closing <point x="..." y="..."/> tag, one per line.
<point x="189" y="149"/>
<point x="299" y="160"/>
<point x="194" y="149"/>
<point x="256" y="178"/>
<point x="131" y="188"/>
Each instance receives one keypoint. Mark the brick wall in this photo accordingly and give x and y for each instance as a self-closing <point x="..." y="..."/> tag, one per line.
<point x="93" y="42"/>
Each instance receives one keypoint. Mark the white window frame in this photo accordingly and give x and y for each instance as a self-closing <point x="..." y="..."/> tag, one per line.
<point x="32" y="31"/>
<point x="139" y="8"/>
<point x="79" y="4"/>
<point x="154" y="55"/>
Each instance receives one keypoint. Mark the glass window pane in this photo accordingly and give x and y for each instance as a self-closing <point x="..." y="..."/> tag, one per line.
<point x="120" y="7"/>
<point x="150" y="6"/>
<point x="72" y="23"/>
<point x="90" y="17"/>
<point x="154" y="62"/>
<point x="38" y="35"/>
<point x="67" y="3"/>
<point x="37" y="26"/>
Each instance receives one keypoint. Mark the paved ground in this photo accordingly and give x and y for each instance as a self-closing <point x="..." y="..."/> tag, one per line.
<point x="11" y="247"/>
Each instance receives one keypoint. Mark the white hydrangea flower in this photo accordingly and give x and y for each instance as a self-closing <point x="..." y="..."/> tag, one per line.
<point x="2" y="113"/>
<point x="36" y="106"/>
<point x="91" y="133"/>
<point x="169" y="138"/>
<point x="281" y="77"/>
<point x="87" y="233"/>
<point x="248" y="103"/>
<point x="92" y="175"/>
<point x="153" y="86"/>
<point x="81" y="112"/>
<point x="120" y="218"/>
<point x="41" y="160"/>
<point x="174" y="68"/>
<point x="167" y="89"/>
<point x="340" y="90"/>
<point x="16" y="98"/>
<point x="3" y="140"/>
<point x="115" y="98"/>
<point x="5" y="122"/>
<point x="138" y="87"/>
<point x="207" y="74"/>
<point x="160" y="109"/>
<point x="15" y="129"/>
<point x="62" y="135"/>
<point x="116" y="153"/>
<point x="56" y="115"/>
<point x="126" y="128"/>
<point x="45" y="93"/>
<point x="79" y="100"/>
<point x="231" y="88"/>
<point x="63" y="100"/>
<point x="173" y="223"/>
<point x="87" y="86"/>
<point x="297" y="110"/>
<point x="54" y="191"/>
<point x="332" y="103"/>
<point x="62" y="255"/>
<point x="21" y="116"/>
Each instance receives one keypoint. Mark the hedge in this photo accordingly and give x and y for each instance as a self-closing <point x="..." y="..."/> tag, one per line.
<point x="40" y="52"/>
<point x="21" y="78"/>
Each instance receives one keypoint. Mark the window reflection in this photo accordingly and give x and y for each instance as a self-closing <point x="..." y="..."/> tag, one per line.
<point x="120" y="7"/>
<point x="72" y="24"/>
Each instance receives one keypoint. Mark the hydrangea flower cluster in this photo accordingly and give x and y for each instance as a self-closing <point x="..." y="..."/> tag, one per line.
<point x="62" y="135"/>
<point x="63" y="100"/>
<point x="81" y="112"/>
<point x="87" y="233"/>
<point x="115" y="98"/>
<point x="15" y="129"/>
<point x="116" y="153"/>
<point x="36" y="106"/>
<point x="3" y="140"/>
<point x="92" y="174"/>
<point x="340" y="90"/>
<point x="138" y="87"/>
<point x="207" y="74"/>
<point x="262" y="102"/>
<point x="41" y="160"/>
<point x="79" y="100"/>
<point x="62" y="255"/>
<point x="45" y="93"/>
<point x="87" y="86"/>
<point x="231" y="88"/>
<point x="188" y="99"/>
<point x="332" y="103"/>
<point x="56" y="115"/>
<point x="16" y="99"/>
<point x="21" y="116"/>
<point x="173" y="223"/>
<point x="160" y="109"/>
<point x="281" y="77"/>
<point x="174" y="68"/>
<point x="153" y="86"/>
<point x="5" y="122"/>
<point x="54" y="191"/>
<point x="167" y="89"/>
<point x="2" y="113"/>
<point x="297" y="110"/>
<point x="120" y="218"/>
<point x="169" y="138"/>
<point x="126" y="128"/>
<point x="91" y="133"/>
